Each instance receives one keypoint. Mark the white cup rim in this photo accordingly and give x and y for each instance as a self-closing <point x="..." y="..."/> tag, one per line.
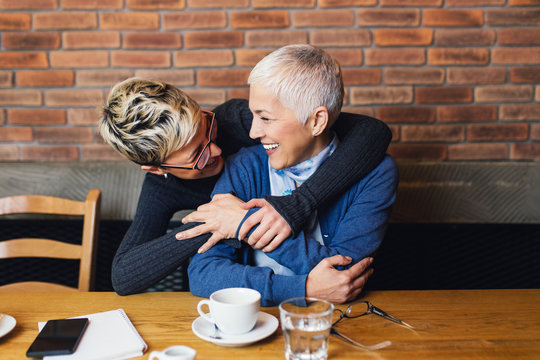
<point x="255" y="296"/>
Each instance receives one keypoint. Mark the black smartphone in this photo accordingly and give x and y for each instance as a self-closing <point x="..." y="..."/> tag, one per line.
<point x="58" y="337"/>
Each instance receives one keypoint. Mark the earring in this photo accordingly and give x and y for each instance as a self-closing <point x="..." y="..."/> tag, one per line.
<point x="165" y="175"/>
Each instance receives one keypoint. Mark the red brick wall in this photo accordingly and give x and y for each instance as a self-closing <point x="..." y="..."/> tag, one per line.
<point x="454" y="79"/>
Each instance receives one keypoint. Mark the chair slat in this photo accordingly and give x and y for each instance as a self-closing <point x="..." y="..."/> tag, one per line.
<point x="32" y="247"/>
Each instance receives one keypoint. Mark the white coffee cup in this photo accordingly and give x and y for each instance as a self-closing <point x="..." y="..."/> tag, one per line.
<point x="177" y="352"/>
<point x="233" y="310"/>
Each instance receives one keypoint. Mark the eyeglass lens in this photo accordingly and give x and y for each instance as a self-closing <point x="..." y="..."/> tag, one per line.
<point x="205" y="154"/>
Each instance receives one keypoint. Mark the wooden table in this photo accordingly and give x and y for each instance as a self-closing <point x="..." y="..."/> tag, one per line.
<point x="484" y="324"/>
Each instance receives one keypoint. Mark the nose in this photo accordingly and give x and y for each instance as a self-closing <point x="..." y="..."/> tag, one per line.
<point x="256" y="130"/>
<point x="214" y="150"/>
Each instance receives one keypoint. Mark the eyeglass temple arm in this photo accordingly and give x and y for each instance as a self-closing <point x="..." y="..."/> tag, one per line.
<point x="375" y="310"/>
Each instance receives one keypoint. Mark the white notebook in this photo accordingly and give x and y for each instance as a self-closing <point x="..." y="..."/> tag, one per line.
<point x="110" y="335"/>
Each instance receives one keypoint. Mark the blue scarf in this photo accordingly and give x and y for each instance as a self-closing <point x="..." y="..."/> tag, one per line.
<point x="283" y="182"/>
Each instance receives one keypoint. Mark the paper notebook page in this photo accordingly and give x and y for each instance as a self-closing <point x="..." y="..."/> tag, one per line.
<point x="110" y="335"/>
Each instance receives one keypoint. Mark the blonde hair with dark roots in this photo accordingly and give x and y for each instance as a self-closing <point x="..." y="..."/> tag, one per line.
<point x="148" y="120"/>
<point x="302" y="77"/>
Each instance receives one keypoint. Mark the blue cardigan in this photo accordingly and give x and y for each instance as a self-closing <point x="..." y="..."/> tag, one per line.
<point x="353" y="225"/>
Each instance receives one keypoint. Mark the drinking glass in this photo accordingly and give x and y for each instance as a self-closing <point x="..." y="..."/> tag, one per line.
<point x="306" y="324"/>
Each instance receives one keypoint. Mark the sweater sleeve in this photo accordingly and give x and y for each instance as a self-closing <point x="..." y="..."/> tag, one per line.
<point x="364" y="141"/>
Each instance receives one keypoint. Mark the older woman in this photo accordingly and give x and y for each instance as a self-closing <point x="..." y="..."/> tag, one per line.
<point x="296" y="95"/>
<point x="182" y="147"/>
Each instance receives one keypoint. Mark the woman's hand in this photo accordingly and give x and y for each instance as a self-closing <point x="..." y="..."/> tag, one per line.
<point x="338" y="286"/>
<point x="272" y="228"/>
<point x="221" y="217"/>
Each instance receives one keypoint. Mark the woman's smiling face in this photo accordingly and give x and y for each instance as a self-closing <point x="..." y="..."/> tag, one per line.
<point x="286" y="141"/>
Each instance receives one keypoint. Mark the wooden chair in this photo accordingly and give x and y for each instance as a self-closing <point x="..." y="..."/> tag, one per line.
<point x="46" y="248"/>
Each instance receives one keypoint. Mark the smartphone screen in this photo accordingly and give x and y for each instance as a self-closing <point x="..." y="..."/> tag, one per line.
<point x="58" y="337"/>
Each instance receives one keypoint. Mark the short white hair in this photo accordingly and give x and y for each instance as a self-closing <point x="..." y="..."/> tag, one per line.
<point x="302" y="77"/>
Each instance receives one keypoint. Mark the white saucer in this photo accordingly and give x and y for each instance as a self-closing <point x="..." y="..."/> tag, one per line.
<point x="265" y="326"/>
<point x="7" y="323"/>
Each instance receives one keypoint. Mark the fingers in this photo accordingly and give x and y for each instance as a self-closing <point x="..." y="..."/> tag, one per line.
<point x="207" y="245"/>
<point x="360" y="267"/>
<point x="193" y="232"/>
<point x="274" y="244"/>
<point x="251" y="221"/>
<point x="337" y="260"/>
<point x="254" y="203"/>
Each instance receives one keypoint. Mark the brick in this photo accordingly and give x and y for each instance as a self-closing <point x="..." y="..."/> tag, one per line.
<point x="101" y="78"/>
<point x="6" y="79"/>
<point x="518" y="36"/>
<point x="525" y="151"/>
<point x="16" y="134"/>
<point x="73" y="97"/>
<point x="468" y="3"/>
<point x="216" y="78"/>
<point x="20" y="97"/>
<point x="444" y="17"/>
<point x="121" y="58"/>
<point x="498" y="132"/>
<point x="65" y="20"/>
<point x="129" y="21"/>
<point x="411" y="76"/>
<point x="402" y="37"/>
<point x="174" y="77"/>
<point x="214" y="39"/>
<point x="503" y="93"/>
<point x="31" y="40"/>
<point x="406" y="114"/>
<point x="432" y="133"/>
<point x="9" y="153"/>
<point x="15" y="21"/>
<point x="79" y="59"/>
<point x="360" y="110"/>
<point x="347" y="57"/>
<point x="64" y="135"/>
<point x="138" y="40"/>
<point x="91" y="39"/>
<point x="443" y="95"/>
<point x="249" y="57"/>
<point x="381" y="95"/>
<point x="460" y="37"/>
<point x="49" y="153"/>
<point x="156" y="4"/>
<point x="451" y="56"/>
<point x="195" y="20"/>
<point x="486" y="75"/>
<point x="200" y="58"/>
<point x="209" y="97"/>
<point x="395" y="131"/>
<point x="99" y="152"/>
<point x="467" y="114"/>
<point x="2" y="117"/>
<point x="535" y="132"/>
<point x="218" y="3"/>
<point x="388" y="17"/>
<point x="525" y="74"/>
<point x="478" y="152"/>
<point x="259" y="4"/>
<point x="418" y="152"/>
<point x="45" y="78"/>
<point x="81" y="117"/>
<point x="522" y="112"/>
<point x="323" y="18"/>
<point x="26" y="59"/>
<point x="537" y="92"/>
<point x="340" y="37"/>
<point x="238" y="93"/>
<point x="94" y="4"/>
<point x="28" y="4"/>
<point x="524" y="2"/>
<point x="259" y="19"/>
<point x="516" y="56"/>
<point x="519" y="17"/>
<point x="362" y="76"/>
<point x="422" y="3"/>
<point x="402" y="56"/>
<point x="277" y="38"/>
<point x="39" y="117"/>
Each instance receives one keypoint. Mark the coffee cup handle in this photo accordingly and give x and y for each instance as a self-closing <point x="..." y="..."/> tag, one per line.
<point x="203" y="314"/>
<point x="154" y="355"/>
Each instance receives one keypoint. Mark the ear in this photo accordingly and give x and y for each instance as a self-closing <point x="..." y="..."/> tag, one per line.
<point x="153" y="169"/>
<point x="319" y="120"/>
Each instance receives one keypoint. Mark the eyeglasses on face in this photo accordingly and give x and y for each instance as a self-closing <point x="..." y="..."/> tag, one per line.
<point x="202" y="158"/>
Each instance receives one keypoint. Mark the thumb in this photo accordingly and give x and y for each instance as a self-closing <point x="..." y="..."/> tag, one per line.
<point x="338" y="260"/>
<point x="253" y="203"/>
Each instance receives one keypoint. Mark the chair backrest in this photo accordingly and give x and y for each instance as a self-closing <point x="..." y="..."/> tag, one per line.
<point x="47" y="248"/>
